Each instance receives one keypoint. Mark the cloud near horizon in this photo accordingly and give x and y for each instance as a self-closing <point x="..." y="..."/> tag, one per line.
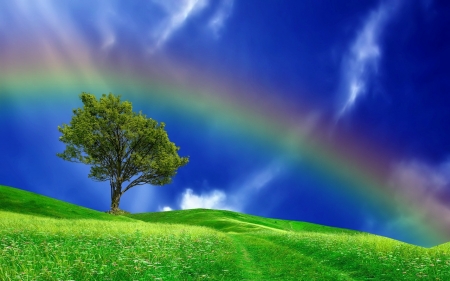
<point x="165" y="209"/>
<point x="421" y="186"/>
<point x="216" y="199"/>
<point x="235" y="200"/>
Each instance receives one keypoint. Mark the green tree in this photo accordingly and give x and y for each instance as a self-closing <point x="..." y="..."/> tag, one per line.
<point x="121" y="146"/>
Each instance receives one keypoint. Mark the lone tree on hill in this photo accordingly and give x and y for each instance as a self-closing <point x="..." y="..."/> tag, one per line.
<point x="121" y="146"/>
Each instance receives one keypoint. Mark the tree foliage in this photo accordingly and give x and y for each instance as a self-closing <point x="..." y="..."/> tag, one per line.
<point x="121" y="146"/>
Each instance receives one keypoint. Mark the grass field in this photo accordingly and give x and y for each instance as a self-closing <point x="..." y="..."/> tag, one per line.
<point x="46" y="239"/>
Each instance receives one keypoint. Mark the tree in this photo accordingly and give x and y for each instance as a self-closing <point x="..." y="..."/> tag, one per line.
<point x="121" y="146"/>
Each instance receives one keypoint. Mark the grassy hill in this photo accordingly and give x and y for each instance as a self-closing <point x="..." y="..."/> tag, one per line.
<point x="47" y="239"/>
<point x="233" y="222"/>
<point x="25" y="202"/>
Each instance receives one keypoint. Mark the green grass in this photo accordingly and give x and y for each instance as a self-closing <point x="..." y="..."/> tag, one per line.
<point x="46" y="239"/>
<point x="347" y="257"/>
<point x="232" y="222"/>
<point x="25" y="202"/>
<point x="34" y="248"/>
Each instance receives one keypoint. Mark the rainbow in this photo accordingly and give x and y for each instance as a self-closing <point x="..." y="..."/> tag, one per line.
<point x="251" y="113"/>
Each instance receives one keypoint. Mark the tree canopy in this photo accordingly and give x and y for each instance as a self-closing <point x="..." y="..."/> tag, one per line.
<point x="121" y="146"/>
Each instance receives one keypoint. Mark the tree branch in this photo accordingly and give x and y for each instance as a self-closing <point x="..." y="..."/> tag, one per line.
<point x="138" y="181"/>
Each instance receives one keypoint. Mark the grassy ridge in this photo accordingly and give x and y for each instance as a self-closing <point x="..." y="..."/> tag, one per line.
<point x="74" y="243"/>
<point x="25" y="202"/>
<point x="233" y="222"/>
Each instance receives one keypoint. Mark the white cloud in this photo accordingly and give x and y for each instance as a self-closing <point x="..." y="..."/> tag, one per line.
<point x="213" y="200"/>
<point x="165" y="209"/>
<point x="217" y="21"/>
<point x="360" y="63"/>
<point x="239" y="195"/>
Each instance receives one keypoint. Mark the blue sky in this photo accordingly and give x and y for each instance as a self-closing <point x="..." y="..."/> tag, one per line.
<point x="373" y="72"/>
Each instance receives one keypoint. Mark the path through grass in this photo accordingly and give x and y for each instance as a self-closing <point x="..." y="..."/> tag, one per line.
<point x="265" y="260"/>
<point x="363" y="256"/>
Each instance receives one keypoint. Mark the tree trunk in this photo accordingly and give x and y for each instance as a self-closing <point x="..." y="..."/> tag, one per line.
<point x="115" y="196"/>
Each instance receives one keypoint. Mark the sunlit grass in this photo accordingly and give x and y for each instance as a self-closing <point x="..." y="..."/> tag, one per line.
<point x="56" y="249"/>
<point x="25" y="202"/>
<point x="46" y="239"/>
<point x="359" y="257"/>
<point x="36" y="248"/>
<point x="233" y="222"/>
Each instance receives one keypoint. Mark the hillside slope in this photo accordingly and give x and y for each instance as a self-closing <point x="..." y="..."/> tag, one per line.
<point x="25" y="202"/>
<point x="234" y="222"/>
<point x="76" y="243"/>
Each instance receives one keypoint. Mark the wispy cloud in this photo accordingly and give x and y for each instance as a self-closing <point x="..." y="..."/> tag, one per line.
<point x="360" y="62"/>
<point x="261" y="178"/>
<point x="177" y="12"/>
<point x="246" y="190"/>
<point x="223" y="12"/>
<point x="150" y="24"/>
<point x="423" y="193"/>
<point x="164" y="19"/>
